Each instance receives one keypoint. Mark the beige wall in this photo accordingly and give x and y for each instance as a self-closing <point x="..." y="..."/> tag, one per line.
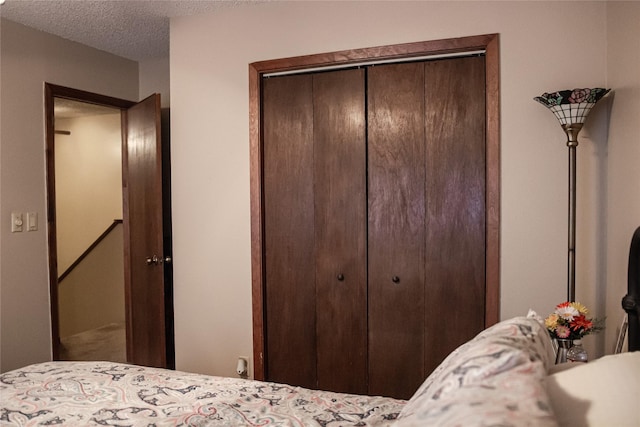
<point x="623" y="202"/>
<point x="88" y="200"/>
<point x="154" y="78"/>
<point x="545" y="46"/>
<point x="30" y="58"/>
<point x="88" y="182"/>
<point x="92" y="295"/>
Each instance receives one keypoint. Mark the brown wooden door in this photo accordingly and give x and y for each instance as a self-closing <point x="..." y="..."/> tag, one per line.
<point x="141" y="190"/>
<point x="374" y="204"/>
<point x="144" y="254"/>
<point x="426" y="217"/>
<point x="396" y="228"/>
<point x="315" y="230"/>
<point x="452" y="215"/>
<point x="289" y="236"/>
<point x="340" y="230"/>
<point x="455" y="248"/>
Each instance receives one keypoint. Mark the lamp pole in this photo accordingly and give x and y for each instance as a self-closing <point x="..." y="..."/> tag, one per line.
<point x="571" y="108"/>
<point x="572" y="131"/>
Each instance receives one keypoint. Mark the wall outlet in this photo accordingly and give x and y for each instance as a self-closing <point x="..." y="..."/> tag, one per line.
<point x="242" y="367"/>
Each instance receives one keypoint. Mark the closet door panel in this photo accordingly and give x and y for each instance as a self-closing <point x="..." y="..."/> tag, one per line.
<point x="340" y="212"/>
<point x="289" y="230"/>
<point x="455" y="194"/>
<point x="396" y="228"/>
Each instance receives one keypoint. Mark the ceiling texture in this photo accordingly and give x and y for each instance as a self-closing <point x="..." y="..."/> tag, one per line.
<point x="134" y="29"/>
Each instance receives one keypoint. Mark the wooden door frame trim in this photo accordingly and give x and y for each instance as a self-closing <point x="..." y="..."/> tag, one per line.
<point x="52" y="91"/>
<point x="487" y="42"/>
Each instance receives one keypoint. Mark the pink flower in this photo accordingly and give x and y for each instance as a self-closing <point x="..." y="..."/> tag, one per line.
<point x="562" y="331"/>
<point x="579" y="95"/>
<point x="569" y="321"/>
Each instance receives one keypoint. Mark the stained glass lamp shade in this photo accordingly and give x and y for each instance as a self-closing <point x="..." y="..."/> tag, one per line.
<point x="571" y="108"/>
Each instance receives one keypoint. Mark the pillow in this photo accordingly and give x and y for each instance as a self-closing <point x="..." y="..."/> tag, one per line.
<point x="603" y="392"/>
<point x="494" y="379"/>
<point x="554" y="369"/>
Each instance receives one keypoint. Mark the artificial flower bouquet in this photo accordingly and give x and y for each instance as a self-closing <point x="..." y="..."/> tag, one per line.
<point x="569" y="321"/>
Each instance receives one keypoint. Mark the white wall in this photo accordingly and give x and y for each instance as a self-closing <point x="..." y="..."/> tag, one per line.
<point x="30" y="58"/>
<point x="623" y="187"/>
<point x="545" y="46"/>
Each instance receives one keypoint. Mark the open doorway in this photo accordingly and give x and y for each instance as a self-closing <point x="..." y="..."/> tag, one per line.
<point x="127" y="267"/>
<point x="89" y="231"/>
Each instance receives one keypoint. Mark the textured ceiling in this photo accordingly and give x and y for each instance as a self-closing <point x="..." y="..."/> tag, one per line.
<point x="133" y="29"/>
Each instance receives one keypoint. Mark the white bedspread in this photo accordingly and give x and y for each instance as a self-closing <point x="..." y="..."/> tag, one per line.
<point x="113" y="394"/>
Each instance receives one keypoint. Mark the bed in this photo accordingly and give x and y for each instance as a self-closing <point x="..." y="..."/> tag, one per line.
<point x="513" y="355"/>
<point x="505" y="376"/>
<point x="115" y="394"/>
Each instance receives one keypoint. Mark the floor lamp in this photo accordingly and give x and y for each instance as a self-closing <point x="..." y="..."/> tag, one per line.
<point x="571" y="108"/>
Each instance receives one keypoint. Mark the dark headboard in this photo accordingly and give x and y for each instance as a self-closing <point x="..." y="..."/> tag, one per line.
<point x="631" y="302"/>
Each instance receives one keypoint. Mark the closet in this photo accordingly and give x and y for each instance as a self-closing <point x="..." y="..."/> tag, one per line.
<point x="375" y="202"/>
<point x="373" y="187"/>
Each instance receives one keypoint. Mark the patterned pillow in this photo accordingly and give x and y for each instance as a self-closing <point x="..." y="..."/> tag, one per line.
<point x="494" y="379"/>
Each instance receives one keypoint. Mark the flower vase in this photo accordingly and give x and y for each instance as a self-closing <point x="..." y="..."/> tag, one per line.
<point x="563" y="347"/>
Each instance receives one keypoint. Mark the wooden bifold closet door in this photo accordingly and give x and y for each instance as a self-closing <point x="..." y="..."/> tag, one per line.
<point x="315" y="229"/>
<point x="374" y="222"/>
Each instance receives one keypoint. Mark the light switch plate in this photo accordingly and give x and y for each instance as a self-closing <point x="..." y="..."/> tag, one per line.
<point x="16" y="222"/>
<point x="32" y="221"/>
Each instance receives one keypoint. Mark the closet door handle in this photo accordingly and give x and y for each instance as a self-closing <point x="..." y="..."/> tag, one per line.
<point x="395" y="279"/>
<point x="154" y="260"/>
<point x="340" y="277"/>
<point x="157" y="260"/>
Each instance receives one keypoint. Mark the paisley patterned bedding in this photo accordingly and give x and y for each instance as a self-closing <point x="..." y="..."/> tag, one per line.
<point x="114" y="394"/>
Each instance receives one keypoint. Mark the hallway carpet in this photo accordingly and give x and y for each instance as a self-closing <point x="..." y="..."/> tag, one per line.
<point x="107" y="343"/>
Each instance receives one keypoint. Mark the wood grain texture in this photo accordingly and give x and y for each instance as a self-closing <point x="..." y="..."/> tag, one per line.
<point x="396" y="228"/>
<point x="158" y="325"/>
<point x="340" y="230"/>
<point x="490" y="42"/>
<point x="455" y="199"/>
<point x="88" y="97"/>
<point x="492" y="76"/>
<point x="378" y="53"/>
<point x="256" y="201"/>
<point x="290" y="294"/>
<point x="143" y="213"/>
